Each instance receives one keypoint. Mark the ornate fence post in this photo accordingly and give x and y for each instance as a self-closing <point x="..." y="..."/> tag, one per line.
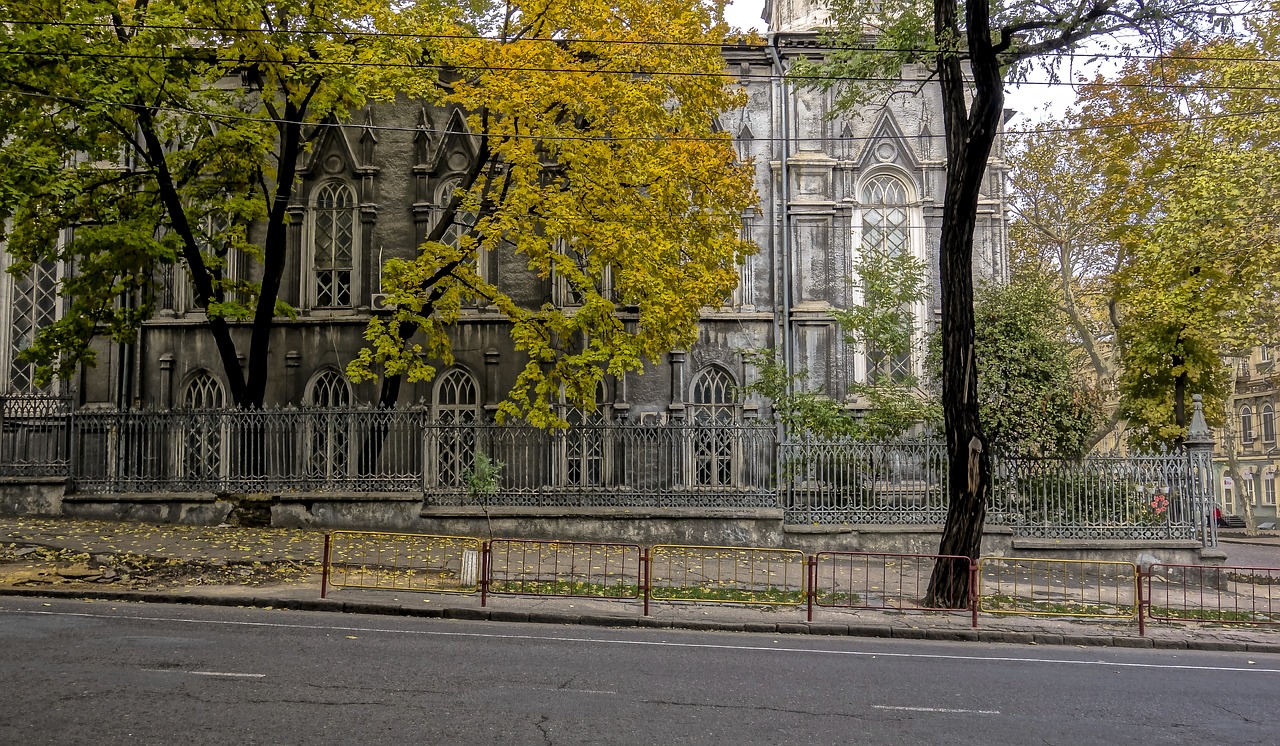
<point x="1199" y="444"/>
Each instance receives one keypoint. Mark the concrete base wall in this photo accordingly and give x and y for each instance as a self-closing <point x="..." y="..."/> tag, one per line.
<point x="406" y="512"/>
<point x="32" y="495"/>
<point x="887" y="538"/>
<point x="1166" y="551"/>
<point x="647" y="526"/>
<point x="191" y="510"/>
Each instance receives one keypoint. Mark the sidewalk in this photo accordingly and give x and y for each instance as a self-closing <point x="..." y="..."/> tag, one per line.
<point x="280" y="568"/>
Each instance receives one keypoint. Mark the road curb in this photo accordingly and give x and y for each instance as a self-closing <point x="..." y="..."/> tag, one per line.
<point x="600" y="620"/>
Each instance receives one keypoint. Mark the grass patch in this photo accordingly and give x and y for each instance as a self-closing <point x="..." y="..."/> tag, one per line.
<point x="565" y="588"/>
<point x="1003" y="604"/>
<point x="766" y="596"/>
<point x="1213" y="615"/>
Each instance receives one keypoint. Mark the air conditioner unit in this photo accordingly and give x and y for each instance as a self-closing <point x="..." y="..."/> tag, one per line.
<point x="379" y="302"/>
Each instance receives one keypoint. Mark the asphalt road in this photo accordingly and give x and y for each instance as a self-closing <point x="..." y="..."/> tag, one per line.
<point x="98" y="673"/>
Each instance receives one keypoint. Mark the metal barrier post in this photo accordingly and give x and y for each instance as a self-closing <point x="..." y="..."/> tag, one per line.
<point x="324" y="567"/>
<point x="644" y="579"/>
<point x="813" y="583"/>
<point x="1142" y="621"/>
<point x="973" y="592"/>
<point x="484" y="574"/>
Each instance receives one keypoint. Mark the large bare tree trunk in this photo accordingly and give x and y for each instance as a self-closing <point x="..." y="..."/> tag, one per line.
<point x="970" y="133"/>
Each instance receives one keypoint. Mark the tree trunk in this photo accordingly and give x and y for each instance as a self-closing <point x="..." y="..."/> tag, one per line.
<point x="970" y="133"/>
<point x="275" y="248"/>
<point x="200" y="277"/>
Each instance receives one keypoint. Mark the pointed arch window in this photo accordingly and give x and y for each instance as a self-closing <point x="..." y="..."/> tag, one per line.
<point x="456" y="406"/>
<point x="713" y="413"/>
<point x="328" y="432"/>
<point x="885" y="219"/>
<point x="333" y="245"/>
<point x="328" y="388"/>
<point x="203" y="438"/>
<point x="33" y="305"/>
<point x="585" y="454"/>
<point x="886" y="234"/>
<point x="203" y="391"/>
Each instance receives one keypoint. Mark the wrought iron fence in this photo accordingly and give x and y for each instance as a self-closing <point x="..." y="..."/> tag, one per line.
<point x="232" y="451"/>
<point x="711" y="466"/>
<point x="1133" y="496"/>
<point x="380" y="450"/>
<point x="35" y="435"/>
<point x="856" y="481"/>
<point x="364" y="450"/>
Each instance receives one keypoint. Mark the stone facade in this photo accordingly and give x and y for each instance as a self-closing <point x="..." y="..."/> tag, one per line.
<point x="825" y="183"/>
<point x="1254" y="403"/>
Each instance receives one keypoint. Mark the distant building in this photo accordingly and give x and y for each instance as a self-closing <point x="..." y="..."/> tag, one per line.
<point x="1253" y="405"/>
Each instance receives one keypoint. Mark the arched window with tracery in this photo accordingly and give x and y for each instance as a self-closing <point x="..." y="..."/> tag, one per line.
<point x="456" y="407"/>
<point x="886" y="225"/>
<point x="886" y="236"/>
<point x="202" y="458"/>
<point x="33" y="305"/>
<point x="713" y="414"/>
<point x="333" y="245"/>
<point x="329" y="436"/>
<point x="203" y="391"/>
<point x="585" y="460"/>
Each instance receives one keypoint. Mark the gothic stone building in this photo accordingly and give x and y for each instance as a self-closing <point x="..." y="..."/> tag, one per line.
<point x="370" y="191"/>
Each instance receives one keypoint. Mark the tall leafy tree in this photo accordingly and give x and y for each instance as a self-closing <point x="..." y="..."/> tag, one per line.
<point x="1161" y="233"/>
<point x="1059" y="235"/>
<point x="599" y="162"/>
<point x="971" y="48"/>
<point x="1033" y="402"/>
<point x="168" y="133"/>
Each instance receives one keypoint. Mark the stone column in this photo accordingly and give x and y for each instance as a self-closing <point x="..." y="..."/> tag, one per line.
<point x="1199" y="445"/>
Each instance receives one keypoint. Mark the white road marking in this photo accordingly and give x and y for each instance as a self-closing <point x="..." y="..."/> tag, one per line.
<point x="230" y="674"/>
<point x="655" y="643"/>
<point x="937" y="709"/>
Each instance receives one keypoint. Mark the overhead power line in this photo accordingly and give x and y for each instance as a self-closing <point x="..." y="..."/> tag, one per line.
<point x="725" y="137"/>
<point x="825" y="46"/>
<point x="723" y="75"/>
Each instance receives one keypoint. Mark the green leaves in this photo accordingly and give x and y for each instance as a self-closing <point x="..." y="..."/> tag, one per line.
<point x="1033" y="403"/>
<point x="600" y="170"/>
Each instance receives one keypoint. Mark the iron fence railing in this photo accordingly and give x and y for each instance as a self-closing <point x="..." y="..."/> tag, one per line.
<point x="1135" y="496"/>
<point x="738" y="465"/>
<point x="856" y="481"/>
<point x="383" y="450"/>
<point x="35" y="435"/>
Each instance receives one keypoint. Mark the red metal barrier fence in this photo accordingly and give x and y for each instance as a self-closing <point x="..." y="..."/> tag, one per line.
<point x="873" y="580"/>
<point x="786" y="577"/>
<point x="1216" y="594"/>
<point x="564" y="568"/>
<point x="1034" y="586"/>
<point x="735" y="575"/>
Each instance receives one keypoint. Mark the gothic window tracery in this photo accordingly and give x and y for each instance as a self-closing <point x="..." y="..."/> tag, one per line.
<point x="333" y="245"/>
<point x="713" y="412"/>
<point x="886" y="234"/>
<point x="201" y="458"/>
<point x="456" y="407"/>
